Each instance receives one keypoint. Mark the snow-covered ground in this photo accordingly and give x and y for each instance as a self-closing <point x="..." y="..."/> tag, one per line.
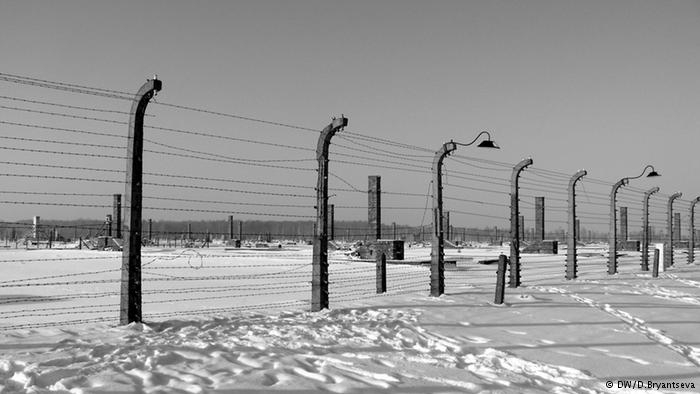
<point x="206" y="330"/>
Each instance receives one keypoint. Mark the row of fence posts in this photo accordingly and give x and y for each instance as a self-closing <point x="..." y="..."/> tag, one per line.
<point x="130" y="302"/>
<point x="571" y="269"/>
<point x="573" y="223"/>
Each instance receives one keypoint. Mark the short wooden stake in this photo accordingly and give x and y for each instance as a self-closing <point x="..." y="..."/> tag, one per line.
<point x="108" y="223"/>
<point x="381" y="272"/>
<point x="501" y="279"/>
<point x="655" y="269"/>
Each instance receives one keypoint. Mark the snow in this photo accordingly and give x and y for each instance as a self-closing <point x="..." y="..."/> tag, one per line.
<point x="204" y="330"/>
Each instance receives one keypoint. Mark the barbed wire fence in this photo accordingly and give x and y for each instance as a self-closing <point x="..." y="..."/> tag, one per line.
<point x="52" y="152"/>
<point x="198" y="170"/>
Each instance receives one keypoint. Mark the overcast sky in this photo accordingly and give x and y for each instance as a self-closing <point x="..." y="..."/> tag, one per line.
<point x="608" y="86"/>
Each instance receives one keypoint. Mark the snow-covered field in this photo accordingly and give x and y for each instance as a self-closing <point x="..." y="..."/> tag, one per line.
<point x="221" y="320"/>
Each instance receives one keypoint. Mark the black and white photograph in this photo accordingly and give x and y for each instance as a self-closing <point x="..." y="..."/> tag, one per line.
<point x="326" y="196"/>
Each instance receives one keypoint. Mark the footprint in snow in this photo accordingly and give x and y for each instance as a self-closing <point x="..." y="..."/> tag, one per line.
<point x="310" y="375"/>
<point x="385" y="363"/>
<point x="530" y="345"/>
<point x="566" y="353"/>
<point x="631" y="358"/>
<point x="249" y="361"/>
<point x="477" y="340"/>
<point x="608" y="353"/>
<point x="269" y="379"/>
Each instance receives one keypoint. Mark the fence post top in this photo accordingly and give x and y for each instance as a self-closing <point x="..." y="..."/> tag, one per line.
<point x="578" y="175"/>
<point x="446" y="148"/>
<point x="523" y="163"/>
<point x="621" y="182"/>
<point x="324" y="139"/>
<point x="652" y="190"/>
<point x="157" y="83"/>
<point x="339" y="122"/>
<point x="150" y="86"/>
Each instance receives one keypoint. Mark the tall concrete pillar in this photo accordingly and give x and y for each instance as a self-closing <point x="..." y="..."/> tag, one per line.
<point x="331" y="221"/>
<point x="668" y="248"/>
<point x="573" y="226"/>
<point x="35" y="228"/>
<point x="514" y="261"/>
<point x="676" y="226"/>
<point x="623" y="224"/>
<point x="691" y="231"/>
<point x="130" y="291"/>
<point x="521" y="228"/>
<point x="117" y="215"/>
<point x="448" y="233"/>
<point x="578" y="230"/>
<point x="539" y="218"/>
<point x="374" y="205"/>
